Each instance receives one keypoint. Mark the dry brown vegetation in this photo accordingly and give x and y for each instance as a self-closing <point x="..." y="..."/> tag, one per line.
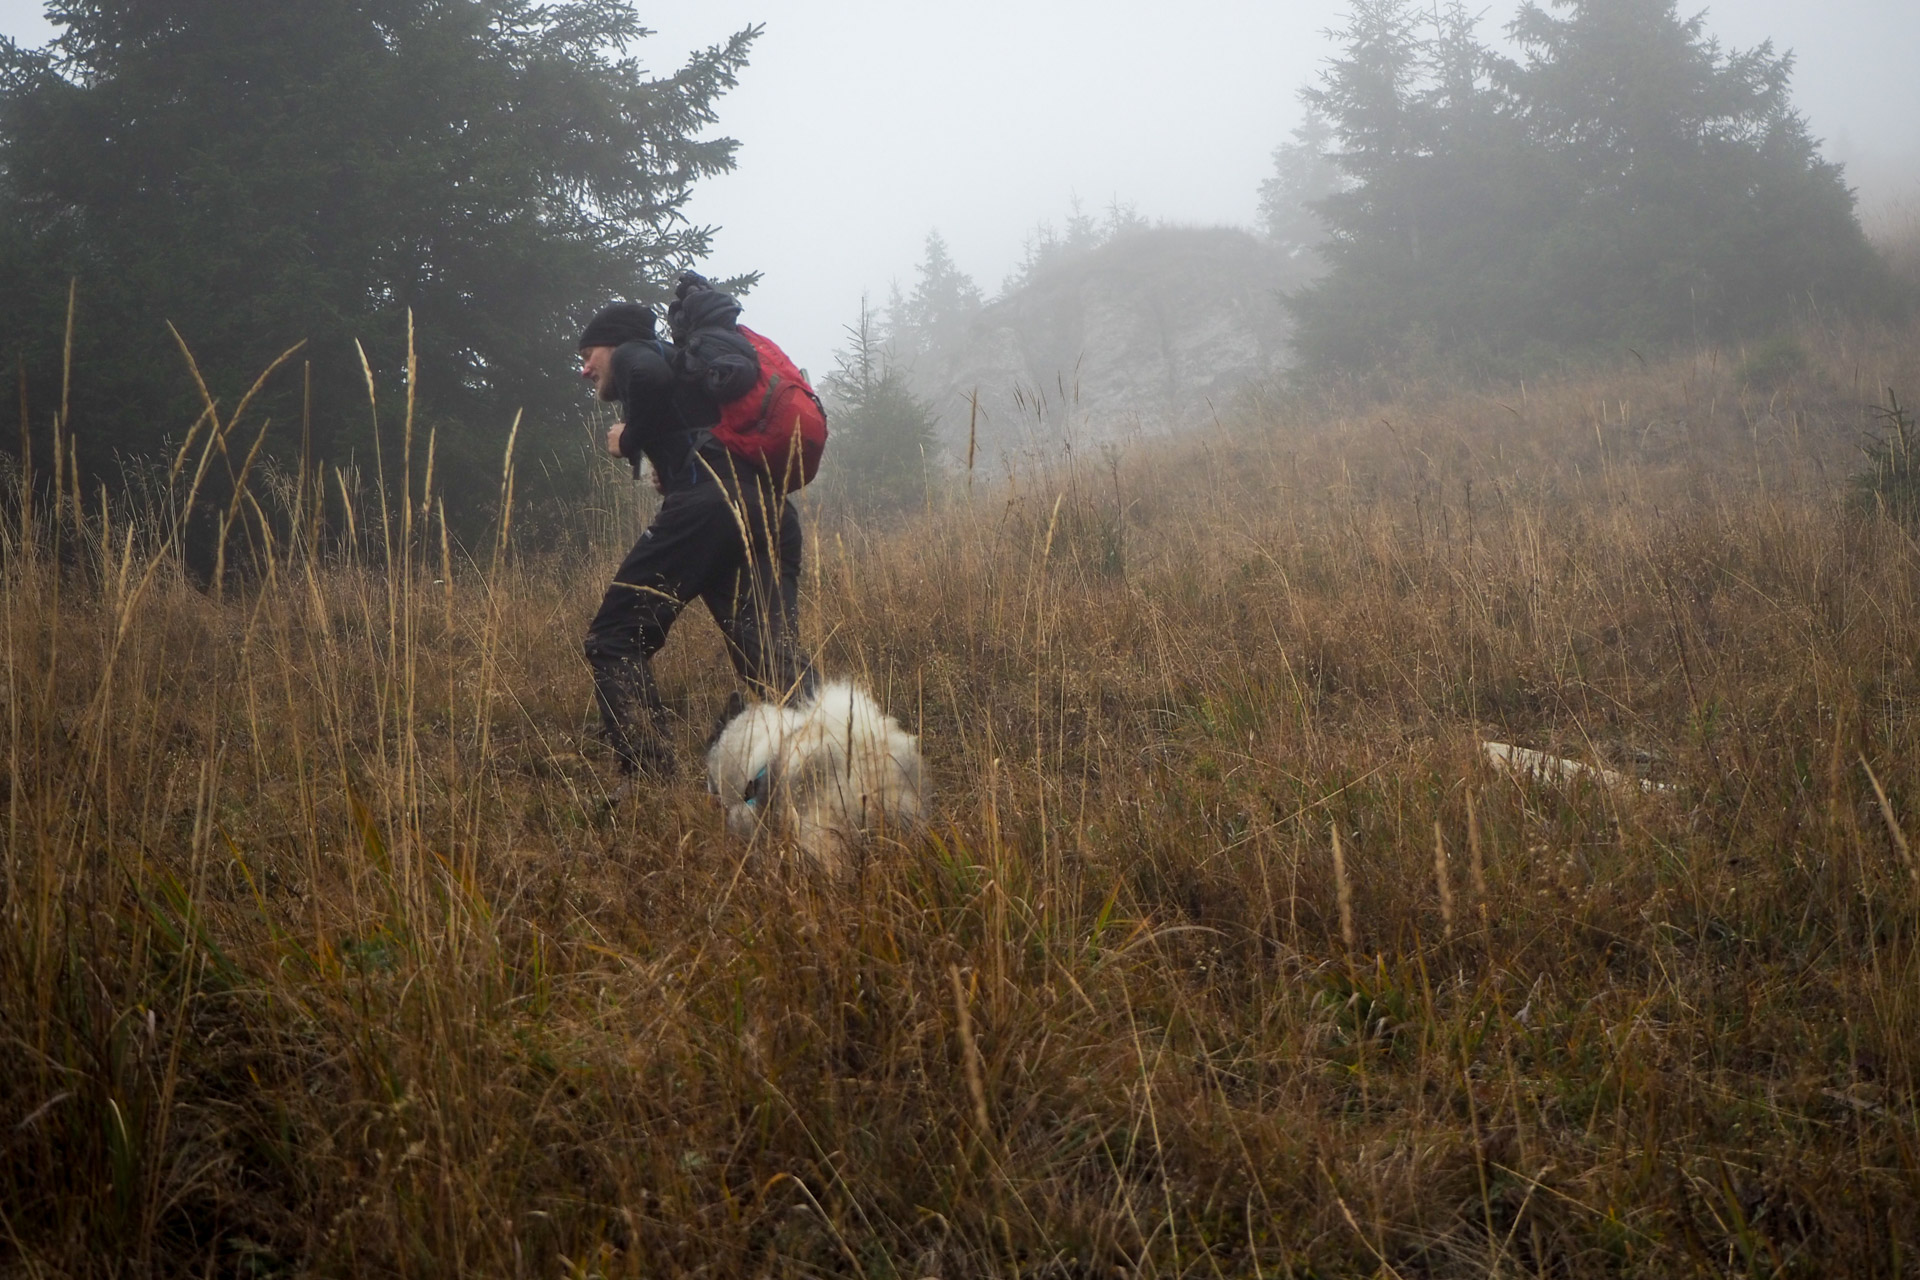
<point x="1894" y="227"/>
<point x="321" y="955"/>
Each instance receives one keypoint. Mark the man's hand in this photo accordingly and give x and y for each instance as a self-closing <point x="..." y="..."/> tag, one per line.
<point x="614" y="433"/>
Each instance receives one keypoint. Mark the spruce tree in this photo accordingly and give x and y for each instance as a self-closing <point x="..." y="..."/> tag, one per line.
<point x="883" y="445"/>
<point x="944" y="298"/>
<point x="1626" y="182"/>
<point x="260" y="175"/>
<point x="1303" y="176"/>
<point x="928" y="330"/>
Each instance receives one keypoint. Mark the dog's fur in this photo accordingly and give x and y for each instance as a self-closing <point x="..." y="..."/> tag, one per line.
<point x="827" y="771"/>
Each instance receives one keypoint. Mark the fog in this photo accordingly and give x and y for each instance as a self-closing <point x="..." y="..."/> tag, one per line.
<point x="864" y="125"/>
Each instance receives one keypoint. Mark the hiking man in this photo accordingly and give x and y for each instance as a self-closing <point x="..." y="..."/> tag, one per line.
<point x="724" y="532"/>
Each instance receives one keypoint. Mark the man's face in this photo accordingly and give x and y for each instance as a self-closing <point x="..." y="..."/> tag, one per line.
<point x="596" y="366"/>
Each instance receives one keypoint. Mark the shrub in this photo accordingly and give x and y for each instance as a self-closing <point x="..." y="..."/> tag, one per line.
<point x="1772" y="364"/>
<point x="1891" y="482"/>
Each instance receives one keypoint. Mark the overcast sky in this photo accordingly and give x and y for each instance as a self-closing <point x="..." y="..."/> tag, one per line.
<point x="864" y="124"/>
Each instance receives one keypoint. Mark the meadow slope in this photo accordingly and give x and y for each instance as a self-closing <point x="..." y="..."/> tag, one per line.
<point x="1228" y="954"/>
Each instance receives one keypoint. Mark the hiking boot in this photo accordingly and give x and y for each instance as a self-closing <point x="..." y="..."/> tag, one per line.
<point x="623" y="791"/>
<point x="637" y="776"/>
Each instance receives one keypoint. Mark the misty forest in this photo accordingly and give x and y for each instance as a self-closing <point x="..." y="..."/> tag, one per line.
<point x="1419" y="690"/>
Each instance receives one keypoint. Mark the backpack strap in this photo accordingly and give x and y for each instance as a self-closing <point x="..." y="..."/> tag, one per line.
<point x="766" y="402"/>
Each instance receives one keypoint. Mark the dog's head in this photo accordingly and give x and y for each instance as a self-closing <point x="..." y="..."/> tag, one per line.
<point x="741" y="760"/>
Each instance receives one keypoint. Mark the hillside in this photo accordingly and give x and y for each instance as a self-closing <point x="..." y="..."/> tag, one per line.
<point x="1228" y="952"/>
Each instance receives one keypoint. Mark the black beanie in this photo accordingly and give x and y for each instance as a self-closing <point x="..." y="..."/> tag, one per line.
<point x="617" y="322"/>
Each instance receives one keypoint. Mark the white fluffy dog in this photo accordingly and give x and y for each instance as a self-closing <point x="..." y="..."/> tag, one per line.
<point x="828" y="771"/>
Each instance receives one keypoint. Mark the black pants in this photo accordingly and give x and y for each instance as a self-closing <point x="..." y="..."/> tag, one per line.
<point x="733" y="543"/>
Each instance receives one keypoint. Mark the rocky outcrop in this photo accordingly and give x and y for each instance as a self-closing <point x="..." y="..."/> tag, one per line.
<point x="1136" y="334"/>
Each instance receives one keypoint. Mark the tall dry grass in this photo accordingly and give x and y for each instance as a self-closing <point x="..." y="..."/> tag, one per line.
<point x="1227" y="954"/>
<point x="1894" y="227"/>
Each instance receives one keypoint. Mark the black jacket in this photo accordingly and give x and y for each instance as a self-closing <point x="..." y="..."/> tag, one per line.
<point x="671" y="393"/>
<point x="714" y="355"/>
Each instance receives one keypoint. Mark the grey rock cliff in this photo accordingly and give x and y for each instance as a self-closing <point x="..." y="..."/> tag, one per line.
<point x="1134" y="335"/>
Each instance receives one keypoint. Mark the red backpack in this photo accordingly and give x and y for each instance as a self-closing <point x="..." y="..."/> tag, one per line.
<point x="778" y="427"/>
